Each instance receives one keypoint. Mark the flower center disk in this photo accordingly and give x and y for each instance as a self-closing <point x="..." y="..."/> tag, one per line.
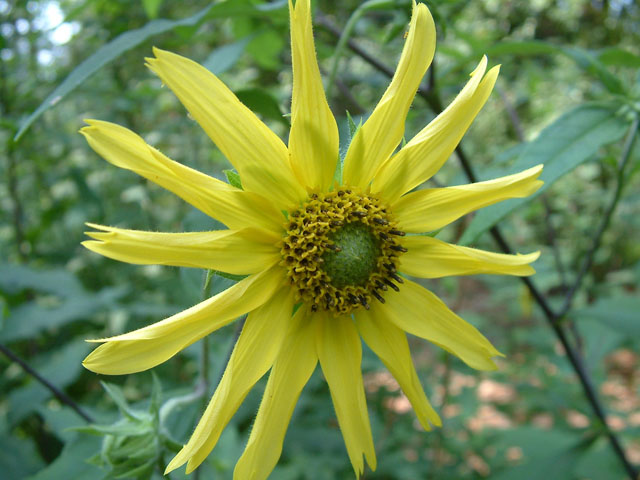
<point x="341" y="251"/>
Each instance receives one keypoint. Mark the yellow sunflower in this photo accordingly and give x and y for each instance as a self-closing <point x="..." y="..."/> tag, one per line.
<point x="325" y="245"/>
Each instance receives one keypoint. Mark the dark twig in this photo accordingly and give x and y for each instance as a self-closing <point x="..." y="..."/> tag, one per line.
<point x="6" y="110"/>
<point x="513" y="114"/>
<point x="552" y="319"/>
<point x="60" y="395"/>
<point x="551" y="239"/>
<point x="431" y="97"/>
<point x="353" y="106"/>
<point x="325" y="23"/>
<point x="597" y="239"/>
<point x="551" y="232"/>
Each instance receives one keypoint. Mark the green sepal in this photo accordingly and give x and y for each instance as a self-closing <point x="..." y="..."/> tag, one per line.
<point x="353" y="128"/>
<point x="117" y="396"/>
<point x="233" y="178"/>
<point x="123" y="428"/>
<point x="230" y="276"/>
<point x="143" y="471"/>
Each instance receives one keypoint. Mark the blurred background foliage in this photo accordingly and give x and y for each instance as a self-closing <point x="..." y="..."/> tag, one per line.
<point x="568" y="94"/>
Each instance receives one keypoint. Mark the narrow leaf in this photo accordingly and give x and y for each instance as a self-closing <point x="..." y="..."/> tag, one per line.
<point x="225" y="57"/>
<point x="618" y="313"/>
<point x="589" y="62"/>
<point x="128" y="40"/>
<point x="571" y="140"/>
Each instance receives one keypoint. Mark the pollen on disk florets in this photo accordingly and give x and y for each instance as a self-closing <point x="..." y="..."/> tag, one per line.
<point x="341" y="251"/>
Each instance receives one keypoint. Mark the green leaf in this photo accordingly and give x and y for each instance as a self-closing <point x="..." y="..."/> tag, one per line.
<point x="61" y="419"/>
<point x="225" y="57"/>
<point x="128" y="40"/>
<point x="18" y="456"/>
<point x="521" y="48"/>
<point x="120" y="428"/>
<point x="592" y="65"/>
<point x="619" y="57"/>
<point x="262" y="102"/>
<point x="60" y="367"/>
<point x="143" y="471"/>
<point x="618" y="313"/>
<point x="569" y="141"/>
<point x="16" y="278"/>
<point x="30" y="319"/>
<point x="233" y="178"/>
<point x="546" y="453"/>
<point x="72" y="461"/>
<point x="600" y="461"/>
<point x="152" y="7"/>
<point x="104" y="55"/>
<point x="586" y="60"/>
<point x="266" y="47"/>
<point x="117" y="396"/>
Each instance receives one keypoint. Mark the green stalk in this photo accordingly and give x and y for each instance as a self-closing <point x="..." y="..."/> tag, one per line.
<point x="346" y="34"/>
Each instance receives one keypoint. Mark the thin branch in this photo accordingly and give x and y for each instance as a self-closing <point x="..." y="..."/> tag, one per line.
<point x="325" y="23"/>
<point x="513" y="114"/>
<point x="17" y="210"/>
<point x="434" y="102"/>
<point x="552" y="319"/>
<point x="597" y="239"/>
<point x="347" y="32"/>
<point x="353" y="106"/>
<point x="59" y="394"/>
<point x="551" y="239"/>
<point x="551" y="232"/>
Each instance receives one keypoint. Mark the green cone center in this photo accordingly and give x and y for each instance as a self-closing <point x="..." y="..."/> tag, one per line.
<point x="357" y="257"/>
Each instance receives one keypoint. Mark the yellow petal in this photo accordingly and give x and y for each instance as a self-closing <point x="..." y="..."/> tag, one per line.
<point x="293" y="367"/>
<point x="390" y="344"/>
<point x="233" y="207"/>
<point x="381" y="133"/>
<point x="252" y="148"/>
<point x="433" y="208"/>
<point x="313" y="141"/>
<point x="419" y="312"/>
<point x="340" y="354"/>
<point x="430" y="148"/>
<point x="431" y="258"/>
<point x="149" y="346"/>
<point x="253" y="354"/>
<point x="241" y="252"/>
